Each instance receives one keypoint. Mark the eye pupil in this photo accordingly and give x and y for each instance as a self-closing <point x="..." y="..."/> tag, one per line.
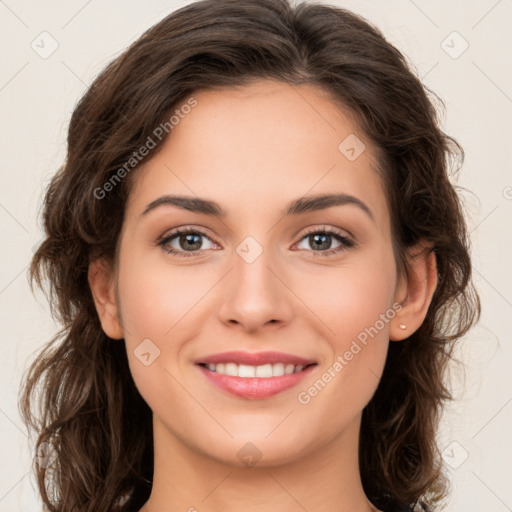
<point x="320" y="239"/>
<point x="190" y="238"/>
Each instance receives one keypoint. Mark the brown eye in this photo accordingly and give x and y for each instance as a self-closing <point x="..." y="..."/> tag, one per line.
<point x="321" y="242"/>
<point x="186" y="242"/>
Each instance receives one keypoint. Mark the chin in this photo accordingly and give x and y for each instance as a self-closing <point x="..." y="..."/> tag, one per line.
<point x="255" y="447"/>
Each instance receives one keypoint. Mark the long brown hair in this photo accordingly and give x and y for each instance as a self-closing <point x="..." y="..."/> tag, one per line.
<point x="79" y="396"/>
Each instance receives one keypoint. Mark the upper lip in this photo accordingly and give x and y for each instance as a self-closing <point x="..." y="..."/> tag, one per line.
<point x="254" y="358"/>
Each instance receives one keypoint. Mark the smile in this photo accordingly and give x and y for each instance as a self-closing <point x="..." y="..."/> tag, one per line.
<point x="255" y="376"/>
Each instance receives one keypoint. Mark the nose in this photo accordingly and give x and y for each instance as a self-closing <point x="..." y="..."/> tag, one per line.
<point x="255" y="295"/>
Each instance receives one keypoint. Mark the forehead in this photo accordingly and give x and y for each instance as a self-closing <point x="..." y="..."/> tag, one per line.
<point x="256" y="147"/>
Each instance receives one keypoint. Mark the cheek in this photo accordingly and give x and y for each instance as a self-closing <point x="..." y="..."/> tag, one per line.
<point x="155" y="298"/>
<point x="350" y="299"/>
<point x="157" y="310"/>
<point x="355" y="303"/>
<point x="148" y="309"/>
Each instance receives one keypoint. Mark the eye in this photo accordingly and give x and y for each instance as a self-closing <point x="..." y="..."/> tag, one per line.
<point x="185" y="242"/>
<point x="321" y="242"/>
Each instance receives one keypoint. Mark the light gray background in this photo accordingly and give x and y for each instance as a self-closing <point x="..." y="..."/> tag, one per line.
<point x="38" y="95"/>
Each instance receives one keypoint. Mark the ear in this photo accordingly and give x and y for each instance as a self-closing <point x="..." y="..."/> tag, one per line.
<point x="415" y="290"/>
<point x="102" y="284"/>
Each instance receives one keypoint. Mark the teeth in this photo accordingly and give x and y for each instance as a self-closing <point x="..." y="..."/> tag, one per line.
<point x="264" y="371"/>
<point x="277" y="370"/>
<point x="288" y="369"/>
<point x="247" y="371"/>
<point x="231" y="369"/>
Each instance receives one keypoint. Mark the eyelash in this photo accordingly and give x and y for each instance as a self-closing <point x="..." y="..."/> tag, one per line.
<point x="346" y="243"/>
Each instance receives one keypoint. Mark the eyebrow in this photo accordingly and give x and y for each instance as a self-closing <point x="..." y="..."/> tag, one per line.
<point x="297" y="207"/>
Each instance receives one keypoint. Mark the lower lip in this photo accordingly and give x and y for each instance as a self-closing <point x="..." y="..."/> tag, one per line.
<point x="255" y="388"/>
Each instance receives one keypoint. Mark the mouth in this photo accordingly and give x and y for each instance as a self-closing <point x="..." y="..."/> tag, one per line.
<point x="255" y="376"/>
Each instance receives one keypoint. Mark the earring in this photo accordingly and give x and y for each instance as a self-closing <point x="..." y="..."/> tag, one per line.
<point x="402" y="326"/>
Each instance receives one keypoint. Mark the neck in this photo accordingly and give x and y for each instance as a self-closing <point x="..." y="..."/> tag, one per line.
<point x="327" y="478"/>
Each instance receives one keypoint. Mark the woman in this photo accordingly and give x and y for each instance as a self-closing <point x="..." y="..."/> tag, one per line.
<point x="261" y="268"/>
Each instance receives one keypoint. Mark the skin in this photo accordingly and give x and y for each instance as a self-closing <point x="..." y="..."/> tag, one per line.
<point x="253" y="150"/>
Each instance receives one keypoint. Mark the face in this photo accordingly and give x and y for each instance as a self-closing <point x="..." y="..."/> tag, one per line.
<point x="275" y="315"/>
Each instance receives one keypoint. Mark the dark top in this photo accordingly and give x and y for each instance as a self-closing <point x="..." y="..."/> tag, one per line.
<point x="386" y="505"/>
